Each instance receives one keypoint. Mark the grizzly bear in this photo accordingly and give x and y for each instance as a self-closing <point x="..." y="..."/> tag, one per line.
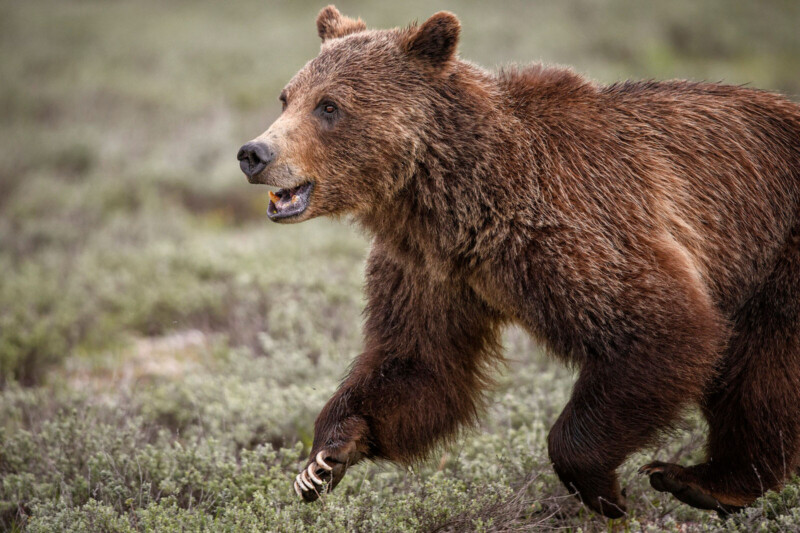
<point x="647" y="233"/>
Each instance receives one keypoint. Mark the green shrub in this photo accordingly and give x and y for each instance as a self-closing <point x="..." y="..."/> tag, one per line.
<point x="175" y="348"/>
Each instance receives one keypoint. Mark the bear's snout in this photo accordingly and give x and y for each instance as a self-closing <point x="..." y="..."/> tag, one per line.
<point x="253" y="158"/>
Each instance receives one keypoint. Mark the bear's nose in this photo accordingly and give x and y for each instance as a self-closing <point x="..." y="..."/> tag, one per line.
<point x="254" y="157"/>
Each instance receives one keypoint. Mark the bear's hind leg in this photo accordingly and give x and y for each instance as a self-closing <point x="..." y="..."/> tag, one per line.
<point x="753" y="407"/>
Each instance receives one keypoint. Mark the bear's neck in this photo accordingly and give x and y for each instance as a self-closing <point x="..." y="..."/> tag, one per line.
<point x="472" y="180"/>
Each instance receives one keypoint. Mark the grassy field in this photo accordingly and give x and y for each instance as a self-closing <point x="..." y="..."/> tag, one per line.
<point x="164" y="349"/>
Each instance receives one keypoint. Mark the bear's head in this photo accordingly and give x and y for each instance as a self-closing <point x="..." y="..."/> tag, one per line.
<point x="354" y="118"/>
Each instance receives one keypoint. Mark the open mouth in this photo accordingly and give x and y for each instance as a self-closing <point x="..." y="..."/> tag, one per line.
<point x="285" y="203"/>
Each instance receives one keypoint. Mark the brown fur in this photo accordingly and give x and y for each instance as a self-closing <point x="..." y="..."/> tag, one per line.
<point x="646" y="232"/>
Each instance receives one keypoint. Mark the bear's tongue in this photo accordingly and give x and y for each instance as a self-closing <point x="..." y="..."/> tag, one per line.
<point x="288" y="202"/>
<point x="283" y="199"/>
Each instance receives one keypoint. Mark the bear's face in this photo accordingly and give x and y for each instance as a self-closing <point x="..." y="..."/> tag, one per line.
<point x="353" y="119"/>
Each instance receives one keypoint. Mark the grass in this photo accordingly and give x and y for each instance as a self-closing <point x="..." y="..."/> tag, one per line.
<point x="164" y="350"/>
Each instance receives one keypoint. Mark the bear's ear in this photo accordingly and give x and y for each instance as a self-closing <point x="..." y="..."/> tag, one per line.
<point x="436" y="40"/>
<point x="332" y="24"/>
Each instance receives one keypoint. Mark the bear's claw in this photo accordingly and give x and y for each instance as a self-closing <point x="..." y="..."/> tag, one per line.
<point x="321" y="462"/>
<point x="312" y="475"/>
<point x="310" y="483"/>
<point x="325" y="470"/>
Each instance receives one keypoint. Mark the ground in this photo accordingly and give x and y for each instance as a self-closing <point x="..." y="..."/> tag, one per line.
<point x="164" y="349"/>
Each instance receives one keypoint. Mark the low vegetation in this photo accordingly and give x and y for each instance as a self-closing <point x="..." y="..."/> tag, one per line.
<point x="164" y="350"/>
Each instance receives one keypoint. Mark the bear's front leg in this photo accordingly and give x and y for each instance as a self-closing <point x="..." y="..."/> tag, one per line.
<point x="644" y="332"/>
<point x="419" y="379"/>
<point x="622" y="399"/>
<point x="614" y="411"/>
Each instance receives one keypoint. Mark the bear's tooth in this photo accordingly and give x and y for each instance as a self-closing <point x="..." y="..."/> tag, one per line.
<point x="295" y="199"/>
<point x="274" y="197"/>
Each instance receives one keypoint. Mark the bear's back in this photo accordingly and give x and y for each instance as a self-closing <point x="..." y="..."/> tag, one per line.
<point x="717" y="166"/>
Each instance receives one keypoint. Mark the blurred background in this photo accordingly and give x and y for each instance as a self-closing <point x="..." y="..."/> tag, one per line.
<point x="164" y="349"/>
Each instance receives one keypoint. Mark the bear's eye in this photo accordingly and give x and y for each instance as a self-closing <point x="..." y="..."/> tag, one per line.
<point x="282" y="98"/>
<point x="328" y="112"/>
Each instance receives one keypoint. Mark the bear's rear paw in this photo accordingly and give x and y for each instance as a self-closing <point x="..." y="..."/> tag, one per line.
<point x="325" y="471"/>
<point x="675" y="479"/>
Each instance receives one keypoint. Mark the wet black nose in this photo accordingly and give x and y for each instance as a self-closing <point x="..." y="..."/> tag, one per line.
<point x="254" y="157"/>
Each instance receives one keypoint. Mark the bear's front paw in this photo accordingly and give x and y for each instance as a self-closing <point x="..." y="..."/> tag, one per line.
<point x="325" y="471"/>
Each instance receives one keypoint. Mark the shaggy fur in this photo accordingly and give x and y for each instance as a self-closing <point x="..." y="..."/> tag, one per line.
<point x="645" y="232"/>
